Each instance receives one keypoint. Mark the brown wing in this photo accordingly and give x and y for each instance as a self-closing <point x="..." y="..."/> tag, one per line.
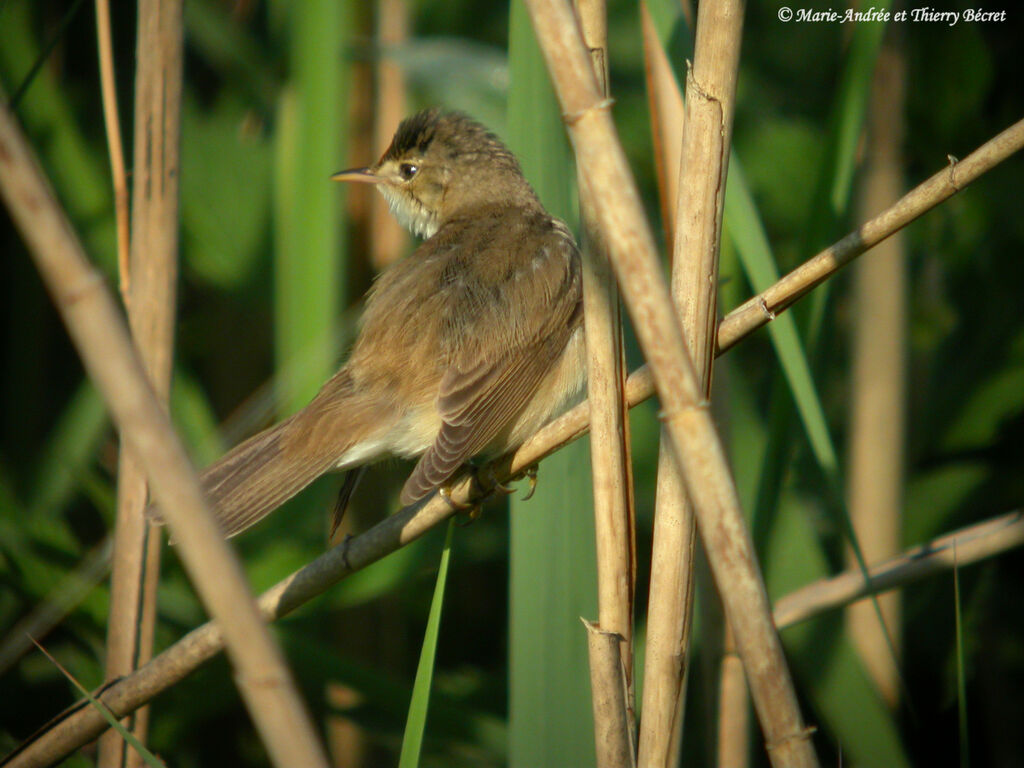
<point x="502" y="347"/>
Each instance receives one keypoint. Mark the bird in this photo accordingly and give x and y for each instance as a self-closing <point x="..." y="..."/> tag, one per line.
<point x="465" y="348"/>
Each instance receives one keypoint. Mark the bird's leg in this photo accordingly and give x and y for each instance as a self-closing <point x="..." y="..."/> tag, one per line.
<point x="348" y="487"/>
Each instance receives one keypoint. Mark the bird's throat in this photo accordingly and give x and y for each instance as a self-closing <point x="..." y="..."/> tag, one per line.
<point x="410" y="212"/>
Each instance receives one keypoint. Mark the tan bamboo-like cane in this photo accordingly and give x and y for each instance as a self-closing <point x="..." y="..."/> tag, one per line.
<point x="102" y="340"/>
<point x="697" y="228"/>
<point x="693" y="441"/>
<point x="389" y="239"/>
<point x="879" y="379"/>
<point x="614" y="523"/>
<point x="148" y="287"/>
<point x="81" y="723"/>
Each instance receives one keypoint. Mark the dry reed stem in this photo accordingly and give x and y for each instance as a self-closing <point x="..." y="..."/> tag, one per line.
<point x="80" y="723"/>
<point x="732" y="734"/>
<point x="972" y="543"/>
<point x="62" y="599"/>
<point x="148" y="290"/>
<point x="762" y="308"/>
<point x="614" y="521"/>
<point x="697" y="227"/>
<point x="98" y="332"/>
<point x="694" y="441"/>
<point x="707" y="137"/>
<point x="879" y="383"/>
<point x="613" y="723"/>
<point x="388" y="240"/>
<point x="108" y="91"/>
<point x="671" y="596"/>
<point x="665" y="104"/>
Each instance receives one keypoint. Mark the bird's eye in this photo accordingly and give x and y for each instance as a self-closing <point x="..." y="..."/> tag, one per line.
<point x="407" y="170"/>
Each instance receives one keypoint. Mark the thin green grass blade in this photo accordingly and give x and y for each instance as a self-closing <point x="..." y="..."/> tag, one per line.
<point x="416" y="723"/>
<point x="843" y="695"/>
<point x="151" y="760"/>
<point x="832" y="200"/>
<point x="744" y="228"/>
<point x="70" y="449"/>
<point x="458" y="723"/>
<point x="961" y="680"/>
<point x="835" y="180"/>
<point x="832" y="197"/>
<point x="745" y="231"/>
<point x="77" y="169"/>
<point x="552" y="569"/>
<point x="37" y="65"/>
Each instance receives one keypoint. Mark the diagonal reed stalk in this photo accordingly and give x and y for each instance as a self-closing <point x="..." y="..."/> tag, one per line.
<point x="98" y="332"/>
<point x="972" y="544"/>
<point x="80" y="724"/>
<point x="692" y="439"/>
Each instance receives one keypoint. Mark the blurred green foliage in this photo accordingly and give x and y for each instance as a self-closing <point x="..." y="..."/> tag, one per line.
<point x="255" y="188"/>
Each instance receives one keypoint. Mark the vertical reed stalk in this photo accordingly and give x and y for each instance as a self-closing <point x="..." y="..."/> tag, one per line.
<point x="706" y="134"/>
<point x="878" y="408"/>
<point x="148" y="283"/>
<point x="99" y="334"/>
<point x="108" y="86"/>
<point x="609" y="450"/>
<point x="693" y="440"/>
<point x="670" y="599"/>
<point x="388" y="240"/>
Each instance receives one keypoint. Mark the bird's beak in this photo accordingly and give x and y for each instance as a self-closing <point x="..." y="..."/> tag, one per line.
<point x="364" y="175"/>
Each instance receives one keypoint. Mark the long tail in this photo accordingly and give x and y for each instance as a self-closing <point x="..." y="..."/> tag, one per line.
<point x="256" y="477"/>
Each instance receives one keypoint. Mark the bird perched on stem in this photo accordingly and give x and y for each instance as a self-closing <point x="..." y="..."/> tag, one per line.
<point x="466" y="347"/>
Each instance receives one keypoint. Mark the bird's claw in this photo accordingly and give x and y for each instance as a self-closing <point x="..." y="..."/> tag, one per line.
<point x="458" y="506"/>
<point x="495" y="484"/>
<point x="531" y="474"/>
<point x="472" y="511"/>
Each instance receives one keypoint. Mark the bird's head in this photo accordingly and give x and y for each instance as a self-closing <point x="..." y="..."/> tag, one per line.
<point x="442" y="164"/>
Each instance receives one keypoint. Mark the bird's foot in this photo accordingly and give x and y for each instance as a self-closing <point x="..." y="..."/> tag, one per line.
<point x="495" y="484"/>
<point x="531" y="473"/>
<point x="470" y="510"/>
<point x="487" y="483"/>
